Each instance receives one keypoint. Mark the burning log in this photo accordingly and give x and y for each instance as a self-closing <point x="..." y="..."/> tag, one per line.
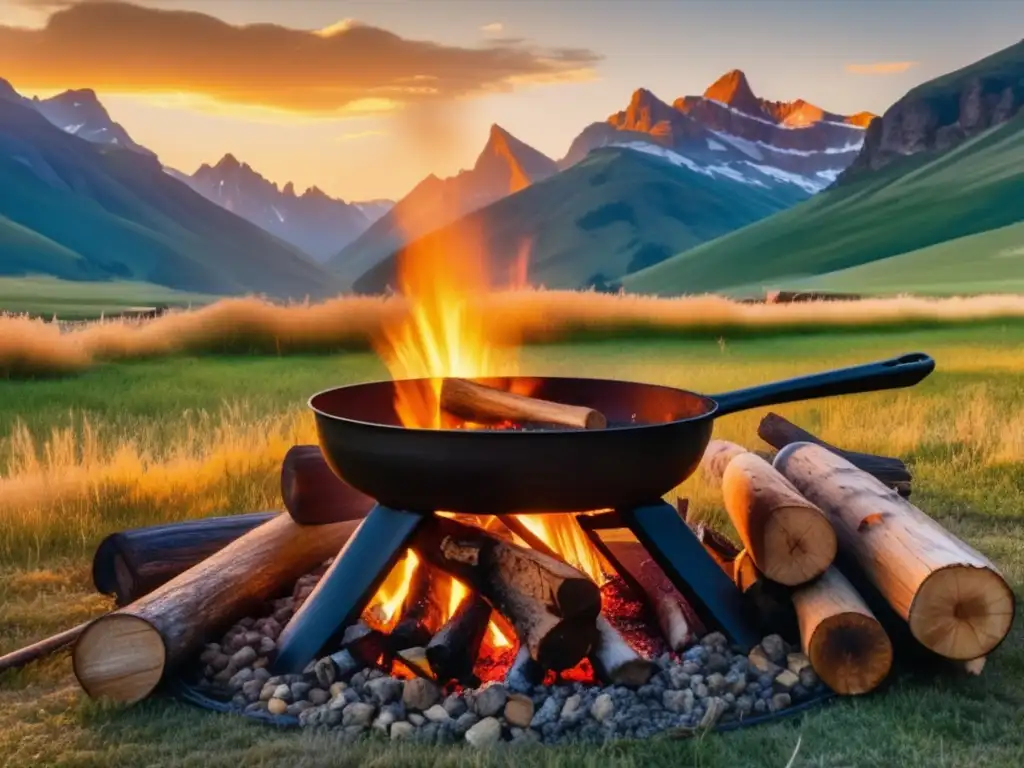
<point x="124" y="655"/>
<point x="130" y="564"/>
<point x="486" y="405"/>
<point x="678" y="622"/>
<point x="453" y="650"/>
<point x="552" y="606"/>
<point x="788" y="538"/>
<point x="313" y="494"/>
<point x="956" y="603"/>
<point x="846" y="645"/>
<point x="421" y="610"/>
<point x="615" y="662"/>
<point x="778" y="433"/>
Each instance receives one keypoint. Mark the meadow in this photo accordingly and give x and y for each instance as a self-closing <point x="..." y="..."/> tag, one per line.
<point x="130" y="440"/>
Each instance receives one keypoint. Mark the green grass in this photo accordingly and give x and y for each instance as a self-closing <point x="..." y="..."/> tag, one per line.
<point x="614" y="212"/>
<point x="961" y="430"/>
<point x="71" y="300"/>
<point x="912" y="204"/>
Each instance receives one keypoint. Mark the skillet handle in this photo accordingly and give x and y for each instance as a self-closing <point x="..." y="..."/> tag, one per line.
<point x="903" y="371"/>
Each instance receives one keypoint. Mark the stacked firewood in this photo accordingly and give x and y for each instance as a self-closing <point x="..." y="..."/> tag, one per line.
<point x="832" y="547"/>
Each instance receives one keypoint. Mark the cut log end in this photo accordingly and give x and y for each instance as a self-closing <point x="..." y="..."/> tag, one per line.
<point x="850" y="652"/>
<point x="119" y="657"/>
<point x="962" y="612"/>
<point x="808" y="538"/>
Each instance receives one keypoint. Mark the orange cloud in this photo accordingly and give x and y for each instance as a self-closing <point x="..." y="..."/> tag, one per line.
<point x="495" y="26"/>
<point x="346" y="68"/>
<point x="880" y="67"/>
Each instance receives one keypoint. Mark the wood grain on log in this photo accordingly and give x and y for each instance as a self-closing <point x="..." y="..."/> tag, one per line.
<point x="845" y="643"/>
<point x="954" y="599"/>
<point x="124" y="655"/>
<point x="788" y="538"/>
<point x="313" y="494"/>
<point x="485" y="405"/>
<point x="552" y="606"/>
<point x="453" y="651"/>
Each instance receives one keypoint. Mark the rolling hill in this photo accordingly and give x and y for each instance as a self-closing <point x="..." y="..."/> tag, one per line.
<point x="882" y="208"/>
<point x="616" y="211"/>
<point x="85" y="211"/>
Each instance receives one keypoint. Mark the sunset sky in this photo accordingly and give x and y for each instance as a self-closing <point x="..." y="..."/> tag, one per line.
<point x="364" y="99"/>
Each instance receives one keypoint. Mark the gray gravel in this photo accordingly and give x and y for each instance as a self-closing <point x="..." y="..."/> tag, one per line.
<point x="704" y="687"/>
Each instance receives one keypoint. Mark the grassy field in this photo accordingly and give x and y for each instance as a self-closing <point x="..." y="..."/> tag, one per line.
<point x="67" y="300"/>
<point x="134" y="443"/>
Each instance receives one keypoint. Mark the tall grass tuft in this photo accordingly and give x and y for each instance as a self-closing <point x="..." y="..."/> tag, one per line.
<point x="253" y="326"/>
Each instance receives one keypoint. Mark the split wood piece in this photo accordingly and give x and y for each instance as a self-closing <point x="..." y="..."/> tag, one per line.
<point x="40" y="649"/>
<point x="788" y="538"/>
<point x="678" y="621"/>
<point x="779" y="432"/>
<point x="422" y="611"/>
<point x="485" y="405"/>
<point x="954" y="599"/>
<point x="364" y="644"/>
<point x="615" y="662"/>
<point x="452" y="652"/>
<point x="313" y="494"/>
<point x="845" y="643"/>
<point x="130" y="564"/>
<point x="415" y="662"/>
<point x="124" y="655"/>
<point x="552" y="606"/>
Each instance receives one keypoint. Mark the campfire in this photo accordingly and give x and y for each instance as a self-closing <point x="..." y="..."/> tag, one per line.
<point x="475" y="553"/>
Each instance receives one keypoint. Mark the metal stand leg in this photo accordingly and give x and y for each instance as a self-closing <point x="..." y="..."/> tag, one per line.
<point x="352" y="580"/>
<point x="698" y="578"/>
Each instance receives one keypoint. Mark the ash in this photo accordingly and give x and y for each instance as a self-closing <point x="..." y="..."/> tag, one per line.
<point x="707" y="685"/>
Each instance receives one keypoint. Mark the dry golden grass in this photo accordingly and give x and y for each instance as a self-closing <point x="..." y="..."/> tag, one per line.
<point x="33" y="347"/>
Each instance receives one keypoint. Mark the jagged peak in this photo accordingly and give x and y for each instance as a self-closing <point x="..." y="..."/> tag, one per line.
<point x="78" y="94"/>
<point x="733" y="89"/>
<point x="228" y="163"/>
<point x="289" y="189"/>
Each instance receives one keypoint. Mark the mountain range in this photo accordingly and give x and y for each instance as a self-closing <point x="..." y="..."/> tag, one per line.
<point x="752" y="151"/>
<point x="725" y="191"/>
<point x="932" y="203"/>
<point x="87" y="210"/>
<point x="313" y="221"/>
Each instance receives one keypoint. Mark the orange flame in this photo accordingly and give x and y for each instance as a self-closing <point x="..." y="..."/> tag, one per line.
<point x="446" y="333"/>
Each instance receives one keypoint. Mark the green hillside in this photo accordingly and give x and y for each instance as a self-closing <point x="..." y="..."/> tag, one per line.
<point x="995" y="260"/>
<point x="907" y="206"/>
<point x="616" y="211"/>
<point x="79" y="211"/>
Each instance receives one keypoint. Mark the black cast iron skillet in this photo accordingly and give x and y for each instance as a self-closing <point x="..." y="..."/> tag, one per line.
<point x="655" y="440"/>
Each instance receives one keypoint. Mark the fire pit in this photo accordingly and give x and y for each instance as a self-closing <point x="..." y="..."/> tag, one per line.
<point x="653" y="438"/>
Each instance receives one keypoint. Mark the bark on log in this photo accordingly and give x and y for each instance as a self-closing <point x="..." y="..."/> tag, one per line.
<point x="525" y="672"/>
<point x="552" y="606"/>
<point x="778" y="433"/>
<point x="313" y="494"/>
<point x="678" y="621"/>
<point x="954" y="599"/>
<point x="453" y="651"/>
<point x="485" y="405"/>
<point x="788" y="538"/>
<point x="717" y="456"/>
<point x="846" y="645"/>
<point x="124" y="655"/>
<point x="615" y="662"/>
<point x="40" y="649"/>
<point x="130" y="564"/>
